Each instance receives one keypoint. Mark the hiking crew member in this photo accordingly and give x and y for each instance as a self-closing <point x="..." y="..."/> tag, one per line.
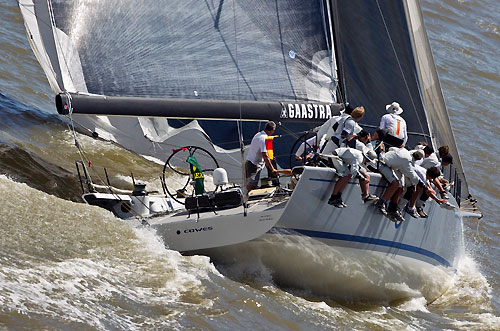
<point x="349" y="160"/>
<point x="431" y="160"/>
<point x="344" y="130"/>
<point x="396" y="168"/>
<point x="394" y="125"/>
<point x="424" y="186"/>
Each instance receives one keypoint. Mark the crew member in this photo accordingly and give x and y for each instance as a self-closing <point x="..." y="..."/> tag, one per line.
<point x="257" y="157"/>
<point x="398" y="166"/>
<point x="394" y="125"/>
<point x="424" y="186"/>
<point x="344" y="129"/>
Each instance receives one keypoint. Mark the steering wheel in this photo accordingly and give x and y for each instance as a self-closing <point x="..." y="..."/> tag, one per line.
<point x="302" y="139"/>
<point x="178" y="170"/>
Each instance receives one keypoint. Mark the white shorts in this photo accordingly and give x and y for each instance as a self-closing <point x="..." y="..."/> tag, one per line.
<point x="392" y="175"/>
<point x="339" y="165"/>
<point x="343" y="168"/>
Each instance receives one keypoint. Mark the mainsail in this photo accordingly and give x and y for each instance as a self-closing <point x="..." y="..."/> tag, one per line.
<point x="235" y="52"/>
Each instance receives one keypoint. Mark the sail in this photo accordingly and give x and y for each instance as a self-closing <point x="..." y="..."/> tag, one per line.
<point x="235" y="59"/>
<point x="385" y="57"/>
<point x="225" y="50"/>
<point x="378" y="63"/>
<point x="438" y="118"/>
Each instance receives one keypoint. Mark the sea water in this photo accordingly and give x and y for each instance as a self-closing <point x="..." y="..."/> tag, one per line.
<point x="66" y="265"/>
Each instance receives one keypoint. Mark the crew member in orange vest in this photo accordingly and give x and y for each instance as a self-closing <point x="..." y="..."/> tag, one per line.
<point x="394" y="126"/>
<point x="258" y="156"/>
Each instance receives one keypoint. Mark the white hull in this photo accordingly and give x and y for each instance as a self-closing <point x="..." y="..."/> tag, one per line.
<point x="436" y="240"/>
<point x="354" y="252"/>
<point x="183" y="232"/>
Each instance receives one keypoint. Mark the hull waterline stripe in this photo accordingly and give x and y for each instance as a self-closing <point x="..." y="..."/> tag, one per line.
<point x="367" y="240"/>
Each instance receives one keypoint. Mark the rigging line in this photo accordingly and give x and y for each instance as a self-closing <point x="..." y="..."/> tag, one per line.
<point x="409" y="133"/>
<point x="399" y="64"/>
<point x="290" y="132"/>
<point x="238" y="123"/>
<point x="283" y="50"/>
<point x="229" y="51"/>
<point x="227" y="156"/>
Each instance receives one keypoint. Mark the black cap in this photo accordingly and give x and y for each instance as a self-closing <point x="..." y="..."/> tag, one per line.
<point x="349" y="108"/>
<point x="447" y="158"/>
<point x="363" y="133"/>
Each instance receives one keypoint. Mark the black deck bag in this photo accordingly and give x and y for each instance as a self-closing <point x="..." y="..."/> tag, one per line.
<point x="229" y="198"/>
<point x="199" y="202"/>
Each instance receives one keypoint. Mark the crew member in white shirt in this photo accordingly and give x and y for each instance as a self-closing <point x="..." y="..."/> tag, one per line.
<point x="397" y="167"/>
<point x="394" y="126"/>
<point x="343" y="130"/>
<point x="425" y="176"/>
<point x="257" y="157"/>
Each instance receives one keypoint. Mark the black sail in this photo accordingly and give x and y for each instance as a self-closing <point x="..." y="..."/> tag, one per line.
<point x="280" y="52"/>
<point x="387" y="57"/>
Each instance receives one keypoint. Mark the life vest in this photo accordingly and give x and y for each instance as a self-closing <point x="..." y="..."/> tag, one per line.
<point x="269" y="147"/>
<point x="339" y="127"/>
<point x="397" y="126"/>
<point x="395" y="131"/>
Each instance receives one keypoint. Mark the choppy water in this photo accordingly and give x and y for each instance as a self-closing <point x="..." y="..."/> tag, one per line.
<point x="65" y="265"/>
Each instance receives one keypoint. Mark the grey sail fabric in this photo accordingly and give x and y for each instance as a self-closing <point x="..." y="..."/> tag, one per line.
<point x="437" y="114"/>
<point x="280" y="51"/>
<point x="196" y="49"/>
<point x="378" y="62"/>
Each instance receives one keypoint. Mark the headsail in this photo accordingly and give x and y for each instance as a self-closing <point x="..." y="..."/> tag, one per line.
<point x="437" y="114"/>
<point x="387" y="58"/>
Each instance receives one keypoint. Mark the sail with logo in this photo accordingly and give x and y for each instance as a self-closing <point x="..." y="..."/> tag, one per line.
<point x="218" y="60"/>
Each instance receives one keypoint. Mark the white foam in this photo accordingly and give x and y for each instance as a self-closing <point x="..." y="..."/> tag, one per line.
<point x="346" y="275"/>
<point x="79" y="263"/>
<point x="469" y="287"/>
